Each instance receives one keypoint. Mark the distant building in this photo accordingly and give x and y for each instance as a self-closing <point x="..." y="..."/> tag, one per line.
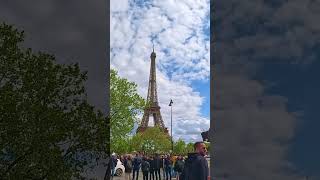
<point x="153" y="109"/>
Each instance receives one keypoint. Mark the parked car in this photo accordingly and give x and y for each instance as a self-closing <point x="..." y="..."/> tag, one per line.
<point x="119" y="170"/>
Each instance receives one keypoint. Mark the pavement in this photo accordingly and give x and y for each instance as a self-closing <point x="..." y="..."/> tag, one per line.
<point x="140" y="177"/>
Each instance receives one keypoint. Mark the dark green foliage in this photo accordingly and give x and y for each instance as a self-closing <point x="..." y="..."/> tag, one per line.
<point x="48" y="129"/>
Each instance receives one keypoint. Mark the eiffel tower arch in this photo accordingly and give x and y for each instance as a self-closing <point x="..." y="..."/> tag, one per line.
<point x="152" y="109"/>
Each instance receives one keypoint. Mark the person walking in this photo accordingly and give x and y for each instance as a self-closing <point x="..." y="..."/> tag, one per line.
<point x="196" y="165"/>
<point x="145" y="167"/>
<point x="173" y="160"/>
<point x="121" y="158"/>
<point x="136" y="166"/>
<point x="152" y="168"/>
<point x="162" y="165"/>
<point x="168" y="167"/>
<point x="157" y="166"/>
<point x="178" y="166"/>
<point x="128" y="167"/>
<point x="113" y="162"/>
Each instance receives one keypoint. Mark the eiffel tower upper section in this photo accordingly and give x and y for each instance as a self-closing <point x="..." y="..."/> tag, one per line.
<point x="153" y="108"/>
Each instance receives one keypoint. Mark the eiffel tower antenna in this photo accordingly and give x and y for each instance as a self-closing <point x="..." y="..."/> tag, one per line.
<point x="152" y="108"/>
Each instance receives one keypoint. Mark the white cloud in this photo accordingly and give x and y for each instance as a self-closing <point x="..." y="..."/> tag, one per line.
<point x="119" y="6"/>
<point x="175" y="28"/>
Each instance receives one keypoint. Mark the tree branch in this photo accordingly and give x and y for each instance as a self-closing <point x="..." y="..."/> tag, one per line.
<point x="16" y="161"/>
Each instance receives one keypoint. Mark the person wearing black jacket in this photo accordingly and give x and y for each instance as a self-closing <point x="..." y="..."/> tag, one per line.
<point x="152" y="167"/>
<point x="145" y="168"/>
<point x="136" y="167"/>
<point x="128" y="167"/>
<point x="168" y="167"/>
<point x="178" y="166"/>
<point x="157" y="165"/>
<point x="196" y="165"/>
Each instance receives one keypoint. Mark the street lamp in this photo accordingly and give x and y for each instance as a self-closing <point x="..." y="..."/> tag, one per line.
<point x="170" y="104"/>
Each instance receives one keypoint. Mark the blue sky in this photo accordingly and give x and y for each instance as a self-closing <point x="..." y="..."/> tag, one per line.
<point x="179" y="31"/>
<point x="202" y="87"/>
<point x="268" y="89"/>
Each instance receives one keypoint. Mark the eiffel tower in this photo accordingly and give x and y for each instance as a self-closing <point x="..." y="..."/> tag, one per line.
<point x="152" y="108"/>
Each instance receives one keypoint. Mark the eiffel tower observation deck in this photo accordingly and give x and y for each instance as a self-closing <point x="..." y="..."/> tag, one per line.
<point x="152" y="108"/>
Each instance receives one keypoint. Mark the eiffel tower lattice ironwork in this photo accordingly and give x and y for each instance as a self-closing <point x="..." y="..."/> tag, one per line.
<point x="152" y="108"/>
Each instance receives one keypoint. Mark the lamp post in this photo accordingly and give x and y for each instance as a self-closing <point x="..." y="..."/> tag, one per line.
<point x="170" y="104"/>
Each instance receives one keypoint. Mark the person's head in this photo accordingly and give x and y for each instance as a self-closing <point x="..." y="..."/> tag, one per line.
<point x="200" y="147"/>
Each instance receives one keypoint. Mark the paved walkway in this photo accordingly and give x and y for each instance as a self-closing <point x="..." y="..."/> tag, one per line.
<point x="140" y="177"/>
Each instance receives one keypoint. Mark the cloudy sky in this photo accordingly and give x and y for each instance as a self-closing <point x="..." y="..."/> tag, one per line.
<point x="266" y="90"/>
<point x="180" y="33"/>
<point x="266" y="65"/>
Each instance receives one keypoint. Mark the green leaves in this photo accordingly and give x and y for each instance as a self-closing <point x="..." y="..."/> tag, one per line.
<point x="180" y="147"/>
<point x="48" y="129"/>
<point x="152" y="140"/>
<point x="125" y="105"/>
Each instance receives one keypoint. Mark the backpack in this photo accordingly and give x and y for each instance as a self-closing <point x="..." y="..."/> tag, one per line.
<point x="129" y="164"/>
<point x="167" y="163"/>
<point x="185" y="175"/>
<point x="145" y="166"/>
<point x="136" y="162"/>
<point x="178" y="166"/>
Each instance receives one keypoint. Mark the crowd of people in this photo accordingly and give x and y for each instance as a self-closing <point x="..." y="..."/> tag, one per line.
<point x="166" y="166"/>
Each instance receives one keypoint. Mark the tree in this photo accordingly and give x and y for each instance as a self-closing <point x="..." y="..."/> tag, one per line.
<point x="180" y="147"/>
<point x="123" y="146"/>
<point x="152" y="140"/>
<point x="208" y="144"/>
<point x="189" y="148"/>
<point x="125" y="105"/>
<point x="48" y="129"/>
